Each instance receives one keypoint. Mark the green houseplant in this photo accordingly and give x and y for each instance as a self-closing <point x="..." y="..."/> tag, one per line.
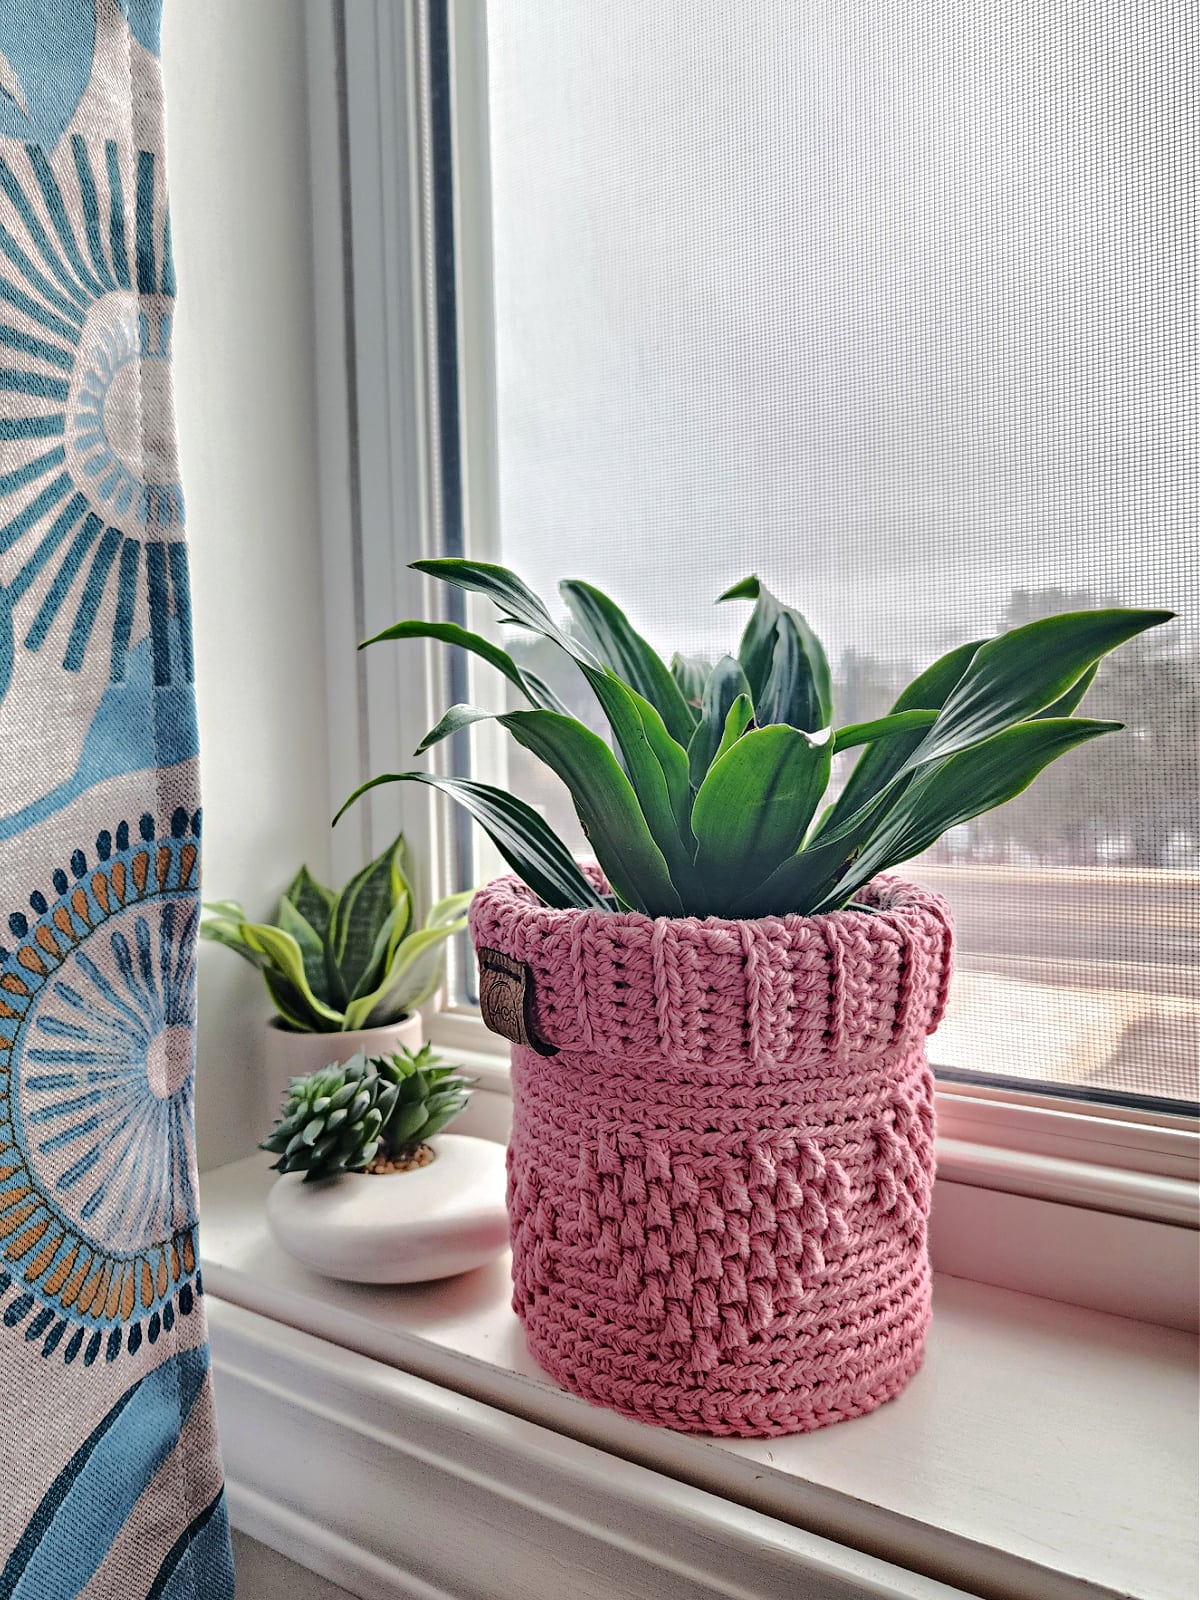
<point x="346" y="972"/>
<point x="722" y="1151"/>
<point x="372" y="1188"/>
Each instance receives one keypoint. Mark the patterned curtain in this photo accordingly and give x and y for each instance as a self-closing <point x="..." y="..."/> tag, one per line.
<point x="112" y="1482"/>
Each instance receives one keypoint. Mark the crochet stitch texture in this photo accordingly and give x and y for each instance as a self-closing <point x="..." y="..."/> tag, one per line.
<point x="719" y="1187"/>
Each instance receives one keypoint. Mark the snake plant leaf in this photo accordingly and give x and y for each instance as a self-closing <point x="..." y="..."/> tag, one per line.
<point x="359" y="913"/>
<point x="287" y="961"/>
<point x="517" y="601"/>
<point x="415" y="974"/>
<point x="311" y="899"/>
<point x="312" y="945"/>
<point x="292" y="1007"/>
<point x="525" y="840"/>
<point x="387" y="941"/>
<point x="691" y="673"/>
<point x="961" y="787"/>
<point x="229" y="910"/>
<point x="607" y="806"/>
<point x="227" y="931"/>
<point x="754" y="806"/>
<point x="741" y="715"/>
<point x="1024" y="671"/>
<point x="623" y="650"/>
<point x="884" y="758"/>
<point x="896" y="722"/>
<point x="532" y="687"/>
<point x="726" y="682"/>
<point x="798" y="677"/>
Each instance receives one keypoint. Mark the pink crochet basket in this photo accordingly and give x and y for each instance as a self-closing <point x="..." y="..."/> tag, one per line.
<point x="722" y="1152"/>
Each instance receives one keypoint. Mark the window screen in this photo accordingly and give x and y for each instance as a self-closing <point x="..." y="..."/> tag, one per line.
<point x="892" y="305"/>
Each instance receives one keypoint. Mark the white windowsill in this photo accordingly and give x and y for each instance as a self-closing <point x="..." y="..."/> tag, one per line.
<point x="1043" y="1451"/>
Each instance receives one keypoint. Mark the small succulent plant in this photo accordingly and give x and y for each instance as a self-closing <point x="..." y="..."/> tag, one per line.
<point x="368" y="1111"/>
<point x="337" y="963"/>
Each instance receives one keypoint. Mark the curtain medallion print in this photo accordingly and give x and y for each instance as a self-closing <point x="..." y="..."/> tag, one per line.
<point x="114" y="1490"/>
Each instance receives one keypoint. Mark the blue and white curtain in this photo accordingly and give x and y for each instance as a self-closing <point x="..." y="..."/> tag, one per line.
<point x="112" y="1481"/>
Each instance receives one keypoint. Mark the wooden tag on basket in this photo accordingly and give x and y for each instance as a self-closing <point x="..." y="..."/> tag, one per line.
<point x="506" y="1000"/>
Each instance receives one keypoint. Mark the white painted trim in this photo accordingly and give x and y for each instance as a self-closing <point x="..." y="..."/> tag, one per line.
<point x="392" y="1487"/>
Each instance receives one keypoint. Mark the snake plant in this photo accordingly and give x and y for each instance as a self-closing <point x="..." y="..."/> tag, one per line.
<point x="720" y="794"/>
<point x="339" y="962"/>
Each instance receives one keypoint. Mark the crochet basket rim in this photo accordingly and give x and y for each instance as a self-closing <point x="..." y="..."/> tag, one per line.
<point x="709" y="990"/>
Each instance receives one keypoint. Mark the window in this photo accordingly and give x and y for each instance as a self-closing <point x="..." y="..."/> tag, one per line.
<point x="892" y="306"/>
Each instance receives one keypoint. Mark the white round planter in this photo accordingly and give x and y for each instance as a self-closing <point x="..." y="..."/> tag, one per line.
<point x="289" y="1055"/>
<point x="405" y="1227"/>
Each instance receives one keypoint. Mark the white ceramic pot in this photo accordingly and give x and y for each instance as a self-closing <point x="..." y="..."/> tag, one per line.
<point x="289" y="1055"/>
<point x="405" y="1227"/>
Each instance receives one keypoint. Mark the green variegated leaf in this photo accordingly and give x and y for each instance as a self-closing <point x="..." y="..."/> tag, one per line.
<point x="312" y="900"/>
<point x="531" y="686"/>
<point x="516" y="600"/>
<point x="358" y="915"/>
<point x="312" y="946"/>
<point x="414" y="975"/>
<point x="286" y="958"/>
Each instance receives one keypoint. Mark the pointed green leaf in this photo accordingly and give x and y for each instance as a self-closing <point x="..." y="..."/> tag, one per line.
<point x="532" y="687"/>
<point x="312" y="946"/>
<point x="452" y="722"/>
<point x="414" y="975"/>
<point x="741" y="715"/>
<point x="387" y="941"/>
<point x="964" y="786"/>
<point x="1066" y="704"/>
<point x="691" y="673"/>
<point x="286" y="958"/>
<point x="882" y="760"/>
<point x="1024" y="671"/>
<point x="529" y="845"/>
<point x="856" y="733"/>
<point x="221" y="930"/>
<point x="607" y="806"/>
<point x="230" y="910"/>
<point x="726" y="682"/>
<point x="311" y="899"/>
<point x="505" y="589"/>
<point x="801" y="673"/>
<point x="622" y="649"/>
<point x="359" y="913"/>
<point x="754" y="806"/>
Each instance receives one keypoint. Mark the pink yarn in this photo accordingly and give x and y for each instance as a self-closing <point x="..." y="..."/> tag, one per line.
<point x="718" y="1188"/>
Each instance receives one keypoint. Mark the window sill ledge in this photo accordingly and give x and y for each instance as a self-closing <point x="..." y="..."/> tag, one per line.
<point x="1044" y="1451"/>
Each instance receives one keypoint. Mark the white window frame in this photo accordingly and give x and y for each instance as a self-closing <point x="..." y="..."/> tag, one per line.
<point x="1086" y="1202"/>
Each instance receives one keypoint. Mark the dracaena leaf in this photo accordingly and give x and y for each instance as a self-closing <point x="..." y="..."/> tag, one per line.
<point x="1024" y="671"/>
<point x="895" y="723"/>
<point x="622" y="649"/>
<point x="754" y="806"/>
<point x="961" y="787"/>
<point x="691" y="673"/>
<point x="726" y="682"/>
<point x="529" y="845"/>
<point x="532" y="687"/>
<point x="607" y="806"/>
<point x="757" y="653"/>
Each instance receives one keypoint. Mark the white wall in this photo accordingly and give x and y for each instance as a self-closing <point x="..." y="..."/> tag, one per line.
<point x="245" y="391"/>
